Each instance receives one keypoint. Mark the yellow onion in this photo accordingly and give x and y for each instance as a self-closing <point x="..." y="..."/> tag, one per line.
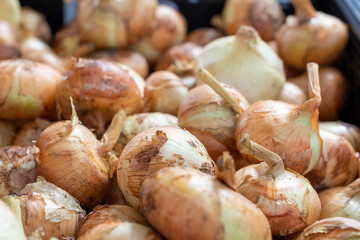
<point x="288" y="130"/>
<point x="203" y="36"/>
<point x="337" y="228"/>
<point x="337" y="165"/>
<point x="9" y="42"/>
<point x="183" y="203"/>
<point x="332" y="84"/>
<point x="114" y="194"/>
<point x="341" y="201"/>
<point x="286" y="198"/>
<point x="167" y="29"/>
<point x="99" y="89"/>
<point x="132" y="59"/>
<point x="10" y="227"/>
<point x="292" y="94"/>
<point x="17" y="168"/>
<point x="164" y="91"/>
<point x="27" y="89"/>
<point x="10" y="11"/>
<point x="30" y="132"/>
<point x="265" y="16"/>
<point x="157" y="148"/>
<point x="34" y="23"/>
<point x="46" y="211"/>
<point x="257" y="72"/>
<point x="72" y="158"/>
<point x="6" y="133"/>
<point x="112" y="23"/>
<point x="310" y="36"/>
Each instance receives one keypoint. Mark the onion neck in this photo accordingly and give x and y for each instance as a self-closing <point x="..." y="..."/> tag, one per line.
<point x="352" y="189"/>
<point x="304" y="9"/>
<point x="247" y="34"/>
<point x="74" y="118"/>
<point x="226" y="169"/>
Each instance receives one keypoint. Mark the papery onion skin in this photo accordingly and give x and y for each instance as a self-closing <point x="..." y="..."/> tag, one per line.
<point x="9" y="42"/>
<point x="34" y="23"/>
<point x="30" y="132"/>
<point x="209" y="210"/>
<point x="10" y="11"/>
<point x="157" y="148"/>
<point x="292" y="94"/>
<point x="337" y="228"/>
<point x="27" y="90"/>
<point x="337" y="165"/>
<point x="10" y="226"/>
<point x="114" y="24"/>
<point x="203" y="36"/>
<point x="6" y="133"/>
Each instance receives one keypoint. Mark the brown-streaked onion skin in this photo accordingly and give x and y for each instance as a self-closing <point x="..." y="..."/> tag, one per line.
<point x="17" y="168"/>
<point x="310" y="36"/>
<point x="292" y="94"/>
<point x="129" y="58"/>
<point x="7" y="133"/>
<point x="337" y="165"/>
<point x="337" y="228"/>
<point x="115" y="24"/>
<point x="27" y="89"/>
<point x="167" y="29"/>
<point x="202" y="36"/>
<point x="34" y="23"/>
<point x="30" y="132"/>
<point x="157" y="148"/>
<point x="209" y="209"/>
<point x="332" y="84"/>
<point x="9" y="41"/>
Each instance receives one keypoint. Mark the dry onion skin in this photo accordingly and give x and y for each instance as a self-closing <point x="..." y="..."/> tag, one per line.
<point x="310" y="36"/>
<point x="9" y="42"/>
<point x="34" y="23"/>
<point x="257" y="72"/>
<point x="10" y="11"/>
<point x="288" y="130"/>
<point x="167" y="29"/>
<point x="337" y="228"/>
<point x="266" y="16"/>
<point x="337" y="165"/>
<point x="115" y="24"/>
<point x="286" y="198"/>
<point x="292" y="94"/>
<point x="6" y="133"/>
<point x="99" y="89"/>
<point x="46" y="211"/>
<point x="27" y="89"/>
<point x="203" y="36"/>
<point x="132" y="59"/>
<point x="209" y="209"/>
<point x="164" y="92"/>
<point x="30" y="132"/>
<point x="332" y="84"/>
<point x="10" y="227"/>
<point x="157" y="148"/>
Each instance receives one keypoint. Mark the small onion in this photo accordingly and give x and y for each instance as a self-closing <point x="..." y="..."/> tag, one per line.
<point x="113" y="23"/>
<point x="27" y="89"/>
<point x="6" y="133"/>
<point x="337" y="165"/>
<point x="168" y="29"/>
<point x="164" y="91"/>
<point x="10" y="11"/>
<point x="203" y="36"/>
<point x="183" y="203"/>
<point x="9" y="42"/>
<point x="157" y="148"/>
<point x="30" y="132"/>
<point x="34" y="23"/>
<point x="292" y="94"/>
<point x="10" y="227"/>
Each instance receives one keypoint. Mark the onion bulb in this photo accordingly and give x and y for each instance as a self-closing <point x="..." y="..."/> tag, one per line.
<point x="34" y="23"/>
<point x="10" y="11"/>
<point x="9" y="42"/>
<point x="310" y="36"/>
<point x="164" y="91"/>
<point x="203" y="36"/>
<point x="17" y="168"/>
<point x="183" y="203"/>
<point x="337" y="228"/>
<point x="337" y="165"/>
<point x="99" y="89"/>
<point x="72" y="158"/>
<point x="114" y="24"/>
<point x="285" y="197"/>
<point x="157" y="148"/>
<point x="257" y="72"/>
<point x="292" y="94"/>
<point x="27" y="89"/>
<point x="10" y="227"/>
<point x="6" y="133"/>
<point x="167" y="29"/>
<point x="30" y="132"/>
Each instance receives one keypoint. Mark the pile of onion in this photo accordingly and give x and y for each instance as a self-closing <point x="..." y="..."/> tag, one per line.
<point x="34" y="23"/>
<point x="30" y="132"/>
<point x="10" y="227"/>
<point x="9" y="42"/>
<point x="6" y="133"/>
<point x="203" y="36"/>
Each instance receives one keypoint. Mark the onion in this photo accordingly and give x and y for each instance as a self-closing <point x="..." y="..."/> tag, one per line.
<point x="30" y="132"/>
<point x="168" y="29"/>
<point x="164" y="92"/>
<point x="99" y="89"/>
<point x="337" y="165"/>
<point x="9" y="42"/>
<point x="337" y="228"/>
<point x="46" y="211"/>
<point x="332" y="84"/>
<point x="27" y="89"/>
<point x="203" y="36"/>
<point x="186" y="204"/>
<point x="113" y="23"/>
<point x="72" y="158"/>
<point x="6" y="133"/>
<point x="257" y="72"/>
<point x="310" y="36"/>
<point x="10" y="227"/>
<point x="10" y="11"/>
<point x="292" y="94"/>
<point x="265" y="16"/>
<point x="129" y="58"/>
<point x="34" y="23"/>
<point x="154" y="149"/>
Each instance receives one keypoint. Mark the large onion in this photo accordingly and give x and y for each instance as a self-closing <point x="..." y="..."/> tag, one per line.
<point x="10" y="227"/>
<point x="9" y="42"/>
<point x="203" y="36"/>
<point x="10" y="11"/>
<point x="30" y="132"/>
<point x="292" y="94"/>
<point x="34" y="23"/>
<point x="6" y="133"/>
